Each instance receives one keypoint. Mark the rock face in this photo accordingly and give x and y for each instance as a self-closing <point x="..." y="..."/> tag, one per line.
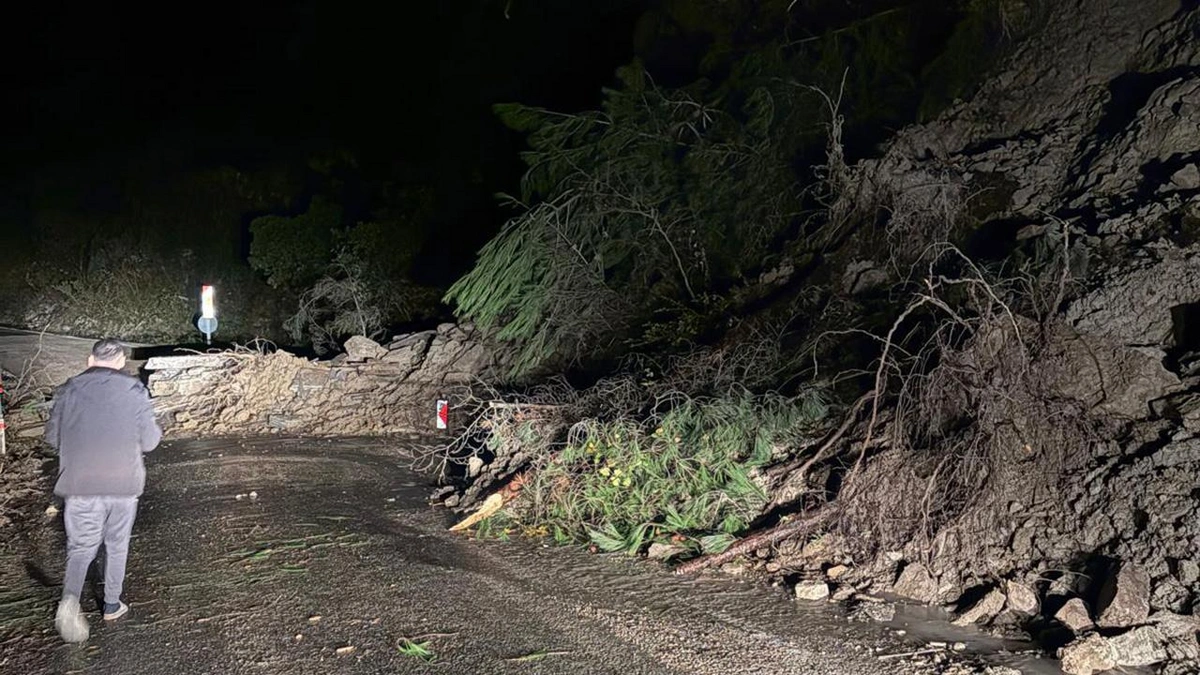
<point x="1125" y="598"/>
<point x="374" y="390"/>
<point x="1088" y="135"/>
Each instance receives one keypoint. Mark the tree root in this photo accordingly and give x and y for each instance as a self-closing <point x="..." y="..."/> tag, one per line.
<point x="779" y="474"/>
<point x="774" y="535"/>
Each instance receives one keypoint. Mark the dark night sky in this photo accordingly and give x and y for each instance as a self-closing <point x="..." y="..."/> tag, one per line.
<point x="93" y="85"/>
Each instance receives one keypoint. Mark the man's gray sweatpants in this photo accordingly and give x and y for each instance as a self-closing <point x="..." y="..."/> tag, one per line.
<point x="91" y="521"/>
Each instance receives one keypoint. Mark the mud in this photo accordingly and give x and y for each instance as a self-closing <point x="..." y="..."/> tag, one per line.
<point x="270" y="556"/>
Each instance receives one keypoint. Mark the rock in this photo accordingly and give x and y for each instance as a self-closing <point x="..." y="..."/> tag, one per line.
<point x="1022" y="599"/>
<point x="1075" y="616"/>
<point x="31" y="432"/>
<point x="1180" y="633"/>
<point x="1087" y="655"/>
<point x="916" y="583"/>
<point x="1167" y="593"/>
<point x="812" y="590"/>
<point x="1187" y="178"/>
<point x="660" y="551"/>
<point x="193" y="361"/>
<point x="984" y="610"/>
<point x="474" y="466"/>
<point x="1188" y="572"/>
<point x="1143" y="646"/>
<point x="359" y="348"/>
<point x="863" y="275"/>
<point x="836" y="572"/>
<point x="844" y="593"/>
<point x="1125" y="598"/>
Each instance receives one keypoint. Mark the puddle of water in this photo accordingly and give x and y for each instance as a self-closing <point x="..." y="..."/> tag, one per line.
<point x="924" y="624"/>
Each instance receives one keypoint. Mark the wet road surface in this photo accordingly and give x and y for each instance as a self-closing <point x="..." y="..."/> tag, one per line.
<point x="308" y="556"/>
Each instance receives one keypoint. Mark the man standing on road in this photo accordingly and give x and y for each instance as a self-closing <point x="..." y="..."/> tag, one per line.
<point x="101" y="424"/>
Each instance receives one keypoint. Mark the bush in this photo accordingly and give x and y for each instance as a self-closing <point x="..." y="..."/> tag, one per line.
<point x="293" y="252"/>
<point x="355" y="298"/>
<point x="133" y="297"/>
<point x="687" y="476"/>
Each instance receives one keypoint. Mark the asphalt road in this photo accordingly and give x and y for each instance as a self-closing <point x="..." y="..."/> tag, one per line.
<point x="302" y="556"/>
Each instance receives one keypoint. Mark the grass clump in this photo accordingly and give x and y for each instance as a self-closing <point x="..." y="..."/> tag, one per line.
<point x="417" y="649"/>
<point x="686" y="476"/>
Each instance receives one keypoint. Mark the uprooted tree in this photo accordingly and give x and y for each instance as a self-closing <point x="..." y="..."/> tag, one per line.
<point x="633" y="219"/>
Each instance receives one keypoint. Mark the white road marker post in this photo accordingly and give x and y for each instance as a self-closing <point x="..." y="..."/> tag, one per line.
<point x="207" y="323"/>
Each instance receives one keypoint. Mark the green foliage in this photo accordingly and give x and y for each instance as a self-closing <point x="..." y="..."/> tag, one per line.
<point x="637" y="208"/>
<point x="417" y="649"/>
<point x="686" y="476"/>
<point x="293" y="252"/>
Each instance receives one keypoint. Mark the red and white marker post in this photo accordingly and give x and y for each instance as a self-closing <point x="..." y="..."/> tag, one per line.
<point x="443" y="414"/>
<point x="3" y="433"/>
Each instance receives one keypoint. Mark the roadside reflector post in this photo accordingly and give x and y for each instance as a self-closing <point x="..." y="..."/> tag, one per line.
<point x="207" y="323"/>
<point x="443" y="414"/>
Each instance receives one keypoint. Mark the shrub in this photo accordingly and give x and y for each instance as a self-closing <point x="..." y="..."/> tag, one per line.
<point x="293" y="252"/>
<point x="688" y="475"/>
<point x="133" y="297"/>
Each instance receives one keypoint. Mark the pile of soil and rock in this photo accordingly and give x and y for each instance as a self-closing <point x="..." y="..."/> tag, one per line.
<point x="1041" y="475"/>
<point x="370" y="389"/>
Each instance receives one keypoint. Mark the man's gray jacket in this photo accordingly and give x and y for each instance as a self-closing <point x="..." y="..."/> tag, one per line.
<point x="101" y="424"/>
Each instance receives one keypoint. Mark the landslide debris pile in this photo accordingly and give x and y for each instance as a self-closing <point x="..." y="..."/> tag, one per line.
<point x="371" y="389"/>
<point x="1024" y="446"/>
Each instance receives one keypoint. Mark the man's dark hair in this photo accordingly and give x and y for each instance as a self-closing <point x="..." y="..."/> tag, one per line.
<point x="107" y="349"/>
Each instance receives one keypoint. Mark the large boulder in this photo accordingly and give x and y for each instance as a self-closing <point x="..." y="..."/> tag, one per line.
<point x="984" y="610"/>
<point x="1125" y="598"/>
<point x="359" y="348"/>
<point x="1087" y="655"/>
<point x="1144" y="646"/>
<point x="916" y="583"/>
<point x="1022" y="600"/>
<point x="1075" y="616"/>
<point x="1180" y="632"/>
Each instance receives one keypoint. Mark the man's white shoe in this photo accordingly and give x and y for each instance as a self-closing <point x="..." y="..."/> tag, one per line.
<point x="121" y="610"/>
<point x="69" y="620"/>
